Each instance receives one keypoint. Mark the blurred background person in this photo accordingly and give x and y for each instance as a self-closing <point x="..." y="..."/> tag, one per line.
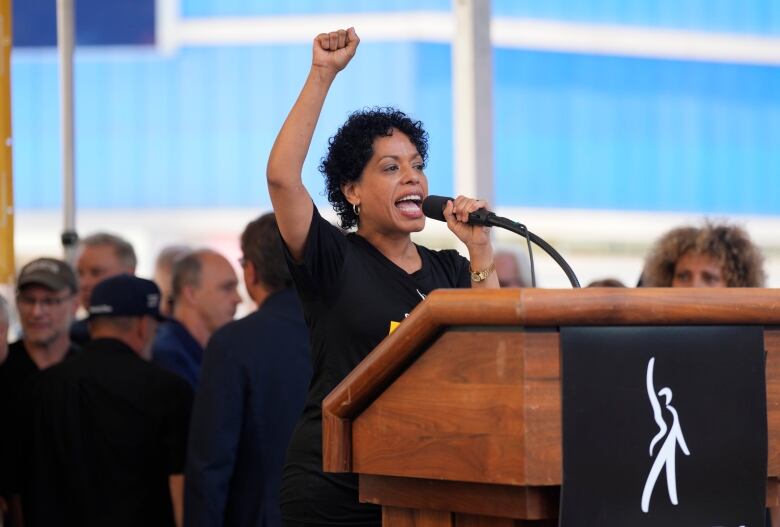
<point x="163" y="274"/>
<point x="512" y="269"/>
<point x="5" y="320"/>
<point x="606" y="282"/>
<point x="104" y="435"/>
<point x="100" y="256"/>
<point x="205" y="297"/>
<point x="252" y="389"/>
<point x="715" y="255"/>
<point x="47" y="301"/>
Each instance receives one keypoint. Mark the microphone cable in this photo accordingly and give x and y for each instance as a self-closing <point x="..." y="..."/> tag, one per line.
<point x="518" y="228"/>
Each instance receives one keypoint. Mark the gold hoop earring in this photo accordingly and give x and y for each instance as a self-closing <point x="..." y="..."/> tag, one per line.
<point x="356" y="209"/>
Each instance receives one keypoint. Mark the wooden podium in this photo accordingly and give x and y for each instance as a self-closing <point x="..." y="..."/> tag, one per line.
<point x="455" y="418"/>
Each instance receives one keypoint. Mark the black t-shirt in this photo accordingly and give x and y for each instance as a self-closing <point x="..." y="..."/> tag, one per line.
<point x="79" y="332"/>
<point x="101" y="434"/>
<point x="19" y="367"/>
<point x="351" y="295"/>
<point x="15" y="373"/>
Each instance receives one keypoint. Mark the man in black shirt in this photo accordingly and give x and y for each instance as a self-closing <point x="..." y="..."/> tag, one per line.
<point x="47" y="302"/>
<point x="104" y="434"/>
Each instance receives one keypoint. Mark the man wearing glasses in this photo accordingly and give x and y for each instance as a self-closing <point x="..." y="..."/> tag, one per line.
<point x="47" y="301"/>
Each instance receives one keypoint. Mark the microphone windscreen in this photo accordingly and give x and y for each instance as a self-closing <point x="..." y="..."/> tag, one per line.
<point x="433" y="207"/>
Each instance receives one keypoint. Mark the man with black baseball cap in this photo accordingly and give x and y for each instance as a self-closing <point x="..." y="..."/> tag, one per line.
<point x="46" y="299"/>
<point x="106" y="433"/>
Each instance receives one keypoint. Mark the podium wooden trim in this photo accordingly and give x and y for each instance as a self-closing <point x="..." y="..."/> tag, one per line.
<point x="413" y="379"/>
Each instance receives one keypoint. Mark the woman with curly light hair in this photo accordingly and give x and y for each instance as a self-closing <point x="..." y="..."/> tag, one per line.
<point x="715" y="255"/>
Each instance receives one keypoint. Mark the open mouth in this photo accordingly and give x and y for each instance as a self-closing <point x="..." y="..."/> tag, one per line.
<point x="410" y="205"/>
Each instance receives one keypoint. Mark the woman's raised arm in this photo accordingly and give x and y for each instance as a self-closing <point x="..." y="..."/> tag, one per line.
<point x="331" y="52"/>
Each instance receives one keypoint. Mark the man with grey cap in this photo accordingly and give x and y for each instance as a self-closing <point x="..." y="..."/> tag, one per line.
<point x="104" y="436"/>
<point x="46" y="299"/>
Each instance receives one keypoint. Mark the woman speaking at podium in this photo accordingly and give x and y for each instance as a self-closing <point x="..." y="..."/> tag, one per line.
<point x="356" y="288"/>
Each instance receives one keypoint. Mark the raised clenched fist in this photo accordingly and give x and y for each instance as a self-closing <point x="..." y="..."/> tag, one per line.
<point x="334" y="50"/>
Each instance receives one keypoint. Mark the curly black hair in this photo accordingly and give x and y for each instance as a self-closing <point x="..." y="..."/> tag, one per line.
<point x="353" y="145"/>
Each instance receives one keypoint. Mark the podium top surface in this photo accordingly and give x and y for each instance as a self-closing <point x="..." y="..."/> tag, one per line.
<point x="605" y="306"/>
<point x="545" y="308"/>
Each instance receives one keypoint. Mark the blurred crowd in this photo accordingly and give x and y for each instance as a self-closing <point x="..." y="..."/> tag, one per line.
<point x="158" y="408"/>
<point x="97" y="412"/>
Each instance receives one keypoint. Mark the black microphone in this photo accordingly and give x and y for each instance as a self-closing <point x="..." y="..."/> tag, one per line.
<point x="433" y="208"/>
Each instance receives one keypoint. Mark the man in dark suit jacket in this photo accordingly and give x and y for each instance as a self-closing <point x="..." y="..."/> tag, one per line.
<point x="252" y="390"/>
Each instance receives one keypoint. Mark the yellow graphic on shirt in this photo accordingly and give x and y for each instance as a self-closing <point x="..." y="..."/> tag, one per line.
<point x="394" y="325"/>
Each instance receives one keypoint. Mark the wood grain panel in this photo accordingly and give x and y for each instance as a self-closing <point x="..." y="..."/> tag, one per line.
<point x="402" y="517"/>
<point x="336" y="444"/>
<point x="471" y="520"/>
<point x="648" y="306"/>
<point x="472" y="408"/>
<point x="455" y="414"/>
<point x="543" y="308"/>
<point x="504" y="501"/>
<point x="773" y="492"/>
<point x="542" y="410"/>
<point x="772" y="345"/>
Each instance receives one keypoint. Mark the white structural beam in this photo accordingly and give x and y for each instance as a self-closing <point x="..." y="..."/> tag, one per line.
<point x="634" y="41"/>
<point x="174" y="31"/>
<point x="472" y="89"/>
<point x="169" y="29"/>
<point x="422" y="26"/>
<point x="65" y="43"/>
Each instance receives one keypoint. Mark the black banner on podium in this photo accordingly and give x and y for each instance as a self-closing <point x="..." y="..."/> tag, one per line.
<point x="663" y="426"/>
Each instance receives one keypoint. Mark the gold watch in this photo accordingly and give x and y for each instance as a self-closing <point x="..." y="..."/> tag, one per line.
<point x="478" y="276"/>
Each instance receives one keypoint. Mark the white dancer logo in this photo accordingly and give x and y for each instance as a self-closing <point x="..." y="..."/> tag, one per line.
<point x="668" y="450"/>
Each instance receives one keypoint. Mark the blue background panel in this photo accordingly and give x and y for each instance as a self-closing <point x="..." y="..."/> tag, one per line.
<point x="572" y="131"/>
<point x="195" y="130"/>
<point x="636" y="134"/>
<point x="97" y="22"/>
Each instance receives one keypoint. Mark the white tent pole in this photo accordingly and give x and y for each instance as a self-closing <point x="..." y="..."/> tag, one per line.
<point x="65" y="42"/>
<point x="472" y="88"/>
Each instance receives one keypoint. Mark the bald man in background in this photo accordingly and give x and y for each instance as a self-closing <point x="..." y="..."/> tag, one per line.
<point x="205" y="298"/>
